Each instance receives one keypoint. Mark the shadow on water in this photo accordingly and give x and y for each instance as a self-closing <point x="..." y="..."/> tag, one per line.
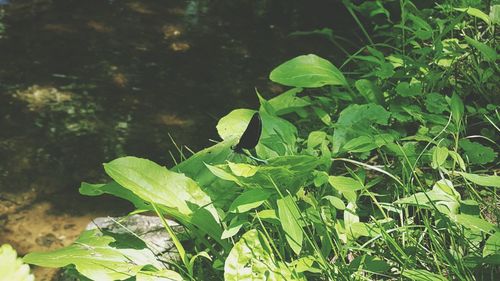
<point x="84" y="82"/>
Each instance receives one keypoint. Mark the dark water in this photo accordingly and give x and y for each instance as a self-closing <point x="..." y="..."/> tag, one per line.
<point x="84" y="82"/>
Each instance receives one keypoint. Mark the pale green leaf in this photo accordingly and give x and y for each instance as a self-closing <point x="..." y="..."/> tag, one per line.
<point x="492" y="245"/>
<point x="234" y="124"/>
<point x="249" y="200"/>
<point x="439" y="156"/>
<point x="251" y="259"/>
<point x="94" y="258"/>
<point x="242" y="169"/>
<point x="482" y="180"/>
<point x="315" y="139"/>
<point x="336" y="202"/>
<point x="422" y="275"/>
<point x="290" y="217"/>
<point x="474" y="223"/>
<point x="476" y="13"/>
<point x="12" y="268"/>
<point x="288" y="102"/>
<point x="343" y="184"/>
<point x="154" y="183"/>
<point x="307" y="71"/>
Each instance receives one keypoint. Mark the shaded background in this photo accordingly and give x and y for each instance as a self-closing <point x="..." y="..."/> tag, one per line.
<point x="84" y="82"/>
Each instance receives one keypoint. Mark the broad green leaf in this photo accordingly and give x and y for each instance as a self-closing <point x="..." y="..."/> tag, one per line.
<point x="336" y="202"/>
<point x="249" y="200"/>
<point x="474" y="223"/>
<point x="304" y="264"/>
<point x="154" y="183"/>
<point x="115" y="189"/>
<point x="288" y="102"/>
<point x="242" y="169"/>
<point x="369" y="264"/>
<point x="234" y="124"/>
<point x="360" y="144"/>
<point x="290" y="221"/>
<point x="489" y="53"/>
<point x="94" y="258"/>
<point x="323" y="116"/>
<point x="477" y="153"/>
<point x="435" y="103"/>
<point x="476" y="13"/>
<point x="369" y="91"/>
<point x="269" y="216"/>
<point x="457" y="108"/>
<point x="307" y="71"/>
<point x="406" y="89"/>
<point x="351" y="218"/>
<point x="251" y="259"/>
<point x="222" y="174"/>
<point x="357" y="120"/>
<point x="232" y="229"/>
<point x="315" y="139"/>
<point x="482" y="180"/>
<point x="458" y="159"/>
<point x="343" y="184"/>
<point x="422" y="275"/>
<point x="495" y="14"/>
<point x="278" y="135"/>
<point x="222" y="191"/>
<point x="492" y="245"/>
<point x="439" y="156"/>
<point x="12" y="268"/>
<point x="443" y="196"/>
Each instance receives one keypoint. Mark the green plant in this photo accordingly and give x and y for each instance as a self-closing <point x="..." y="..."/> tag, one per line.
<point x="388" y="172"/>
<point x="12" y="268"/>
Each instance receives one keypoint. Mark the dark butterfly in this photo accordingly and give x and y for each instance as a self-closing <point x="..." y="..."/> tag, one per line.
<point x="250" y="137"/>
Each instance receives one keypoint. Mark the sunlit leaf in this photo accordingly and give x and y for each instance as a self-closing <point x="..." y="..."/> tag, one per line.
<point x="251" y="259"/>
<point x="492" y="245"/>
<point x="94" y="258"/>
<point x="290" y="217"/>
<point x="474" y="223"/>
<point x="476" y="13"/>
<point x="307" y="71"/>
<point x="482" y="180"/>
<point x="12" y="268"/>
<point x="343" y="184"/>
<point x="234" y="124"/>
<point x="288" y="102"/>
<point x="249" y="200"/>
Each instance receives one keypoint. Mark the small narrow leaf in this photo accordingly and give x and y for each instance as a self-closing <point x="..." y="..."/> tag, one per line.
<point x="290" y="216"/>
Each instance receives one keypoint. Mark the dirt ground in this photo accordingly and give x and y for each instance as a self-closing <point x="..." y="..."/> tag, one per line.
<point x="24" y="224"/>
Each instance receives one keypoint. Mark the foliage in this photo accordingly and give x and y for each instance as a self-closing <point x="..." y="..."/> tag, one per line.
<point x="12" y="267"/>
<point x="389" y="172"/>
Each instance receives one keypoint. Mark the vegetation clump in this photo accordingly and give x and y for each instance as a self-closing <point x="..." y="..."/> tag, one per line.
<point x="383" y="168"/>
